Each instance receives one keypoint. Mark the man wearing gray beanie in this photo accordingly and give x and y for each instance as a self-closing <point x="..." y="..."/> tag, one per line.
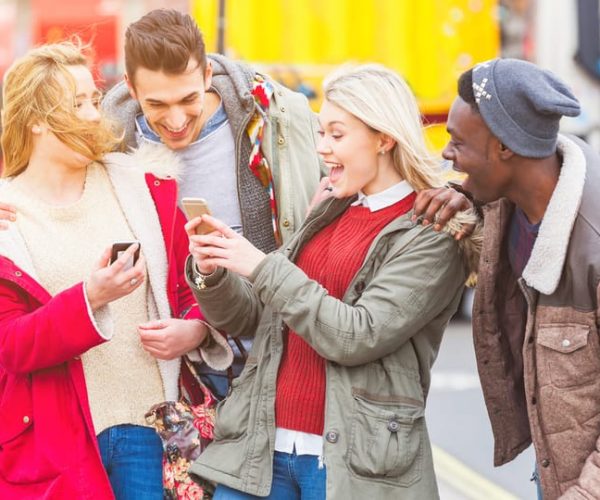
<point x="536" y="312"/>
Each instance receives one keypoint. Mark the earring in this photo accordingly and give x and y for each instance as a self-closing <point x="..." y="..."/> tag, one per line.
<point x="382" y="152"/>
<point x="36" y="129"/>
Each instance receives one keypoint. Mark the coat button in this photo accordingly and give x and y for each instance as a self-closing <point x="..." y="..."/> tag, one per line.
<point x="280" y="141"/>
<point x="286" y="223"/>
<point x="359" y="287"/>
<point x="282" y="109"/>
<point x="332" y="437"/>
<point x="393" y="426"/>
<point x="566" y="343"/>
<point x="157" y="183"/>
<point x="26" y="419"/>
<point x="18" y="274"/>
<point x="545" y="462"/>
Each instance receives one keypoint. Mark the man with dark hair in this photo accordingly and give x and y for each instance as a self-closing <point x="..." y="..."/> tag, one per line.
<point x="245" y="143"/>
<point x="536" y="314"/>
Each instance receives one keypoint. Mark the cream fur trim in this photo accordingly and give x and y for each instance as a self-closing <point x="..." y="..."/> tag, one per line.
<point x="139" y="209"/>
<point x="155" y="159"/>
<point x="545" y="266"/>
<point x="219" y="355"/>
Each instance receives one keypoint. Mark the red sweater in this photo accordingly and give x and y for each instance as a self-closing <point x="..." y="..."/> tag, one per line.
<point x="332" y="258"/>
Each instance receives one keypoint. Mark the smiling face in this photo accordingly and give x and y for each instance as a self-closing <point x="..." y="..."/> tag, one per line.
<point x="475" y="151"/>
<point x="350" y="149"/>
<point x="173" y="104"/>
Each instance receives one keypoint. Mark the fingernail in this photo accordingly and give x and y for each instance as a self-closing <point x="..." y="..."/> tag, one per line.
<point x="425" y="222"/>
<point x="437" y="227"/>
<point x="413" y="218"/>
<point x="13" y="218"/>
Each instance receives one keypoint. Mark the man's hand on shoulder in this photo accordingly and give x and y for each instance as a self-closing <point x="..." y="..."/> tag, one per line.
<point x="439" y="205"/>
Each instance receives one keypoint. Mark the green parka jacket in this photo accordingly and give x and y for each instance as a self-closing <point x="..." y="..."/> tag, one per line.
<point x="380" y="342"/>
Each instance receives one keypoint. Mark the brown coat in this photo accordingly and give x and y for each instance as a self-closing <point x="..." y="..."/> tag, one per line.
<point x="536" y="337"/>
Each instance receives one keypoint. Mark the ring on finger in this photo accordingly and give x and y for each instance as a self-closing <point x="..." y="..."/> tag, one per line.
<point x="133" y="281"/>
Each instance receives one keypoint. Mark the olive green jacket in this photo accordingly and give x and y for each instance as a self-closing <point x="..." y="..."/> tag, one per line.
<point x="379" y="341"/>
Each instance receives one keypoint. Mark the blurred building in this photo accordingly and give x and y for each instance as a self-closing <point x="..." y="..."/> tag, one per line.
<point x="101" y="23"/>
<point x="430" y="42"/>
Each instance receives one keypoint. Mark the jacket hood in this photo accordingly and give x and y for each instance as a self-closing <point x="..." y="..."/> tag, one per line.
<point x="239" y="75"/>
<point x="470" y="246"/>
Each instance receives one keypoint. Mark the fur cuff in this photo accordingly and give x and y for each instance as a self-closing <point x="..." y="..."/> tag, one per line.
<point x="218" y="353"/>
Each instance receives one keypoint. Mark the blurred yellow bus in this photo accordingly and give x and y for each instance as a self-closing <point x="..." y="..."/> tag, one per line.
<point x="429" y="42"/>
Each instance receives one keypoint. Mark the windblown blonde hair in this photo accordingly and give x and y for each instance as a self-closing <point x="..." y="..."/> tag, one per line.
<point x="38" y="88"/>
<point x="380" y="98"/>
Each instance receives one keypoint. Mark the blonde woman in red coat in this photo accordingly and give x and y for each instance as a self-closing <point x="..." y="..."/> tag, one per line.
<point x="86" y="347"/>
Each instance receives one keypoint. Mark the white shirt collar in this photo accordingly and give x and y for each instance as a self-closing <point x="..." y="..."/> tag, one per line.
<point x="385" y="198"/>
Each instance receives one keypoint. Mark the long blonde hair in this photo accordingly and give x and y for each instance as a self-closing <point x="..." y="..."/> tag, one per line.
<point x="381" y="99"/>
<point x="38" y="88"/>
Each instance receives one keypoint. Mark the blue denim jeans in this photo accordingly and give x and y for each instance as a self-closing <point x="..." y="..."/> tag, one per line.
<point x="132" y="456"/>
<point x="535" y="477"/>
<point x="295" y="477"/>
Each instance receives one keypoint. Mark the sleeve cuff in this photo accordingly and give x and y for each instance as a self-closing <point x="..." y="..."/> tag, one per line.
<point x="101" y="318"/>
<point x="199" y="281"/>
<point x="215" y="351"/>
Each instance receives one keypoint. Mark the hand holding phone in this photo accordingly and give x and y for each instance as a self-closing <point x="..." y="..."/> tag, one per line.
<point x="119" y="247"/>
<point x="111" y="278"/>
<point x="197" y="207"/>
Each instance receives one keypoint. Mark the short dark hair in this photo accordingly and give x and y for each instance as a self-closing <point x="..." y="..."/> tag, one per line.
<point x="465" y="89"/>
<point x="163" y="40"/>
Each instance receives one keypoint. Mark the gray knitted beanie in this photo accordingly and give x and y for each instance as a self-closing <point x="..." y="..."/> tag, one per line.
<point x="522" y="104"/>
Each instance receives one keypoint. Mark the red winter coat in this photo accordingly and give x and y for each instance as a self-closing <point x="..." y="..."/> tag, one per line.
<point x="48" y="446"/>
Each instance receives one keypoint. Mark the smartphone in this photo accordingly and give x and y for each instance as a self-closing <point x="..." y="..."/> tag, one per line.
<point x="119" y="247"/>
<point x="195" y="207"/>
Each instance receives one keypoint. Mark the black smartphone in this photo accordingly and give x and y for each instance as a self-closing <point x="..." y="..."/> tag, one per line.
<point x="119" y="247"/>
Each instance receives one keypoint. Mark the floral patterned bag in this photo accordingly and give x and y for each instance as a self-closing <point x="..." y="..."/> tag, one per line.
<point x="185" y="428"/>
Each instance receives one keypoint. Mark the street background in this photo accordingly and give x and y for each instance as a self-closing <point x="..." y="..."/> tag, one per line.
<point x="458" y="425"/>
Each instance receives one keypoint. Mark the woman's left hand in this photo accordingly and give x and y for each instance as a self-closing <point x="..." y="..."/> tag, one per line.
<point x="230" y="250"/>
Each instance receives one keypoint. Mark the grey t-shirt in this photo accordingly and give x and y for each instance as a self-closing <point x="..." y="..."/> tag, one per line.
<point x="208" y="166"/>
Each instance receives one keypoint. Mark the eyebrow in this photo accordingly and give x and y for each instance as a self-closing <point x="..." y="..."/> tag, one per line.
<point x="453" y="133"/>
<point x="335" y="122"/>
<point x="184" y="98"/>
<point x="96" y="93"/>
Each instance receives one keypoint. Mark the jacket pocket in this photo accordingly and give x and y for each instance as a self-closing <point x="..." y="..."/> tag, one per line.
<point x="569" y="353"/>
<point x="231" y="421"/>
<point x="386" y="441"/>
<point x="21" y="462"/>
<point x="16" y="407"/>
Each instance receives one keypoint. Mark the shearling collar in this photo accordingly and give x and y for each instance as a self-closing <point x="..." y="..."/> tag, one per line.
<point x="545" y="266"/>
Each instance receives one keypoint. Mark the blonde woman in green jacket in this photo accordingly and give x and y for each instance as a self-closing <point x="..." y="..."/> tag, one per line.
<point x="347" y="318"/>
